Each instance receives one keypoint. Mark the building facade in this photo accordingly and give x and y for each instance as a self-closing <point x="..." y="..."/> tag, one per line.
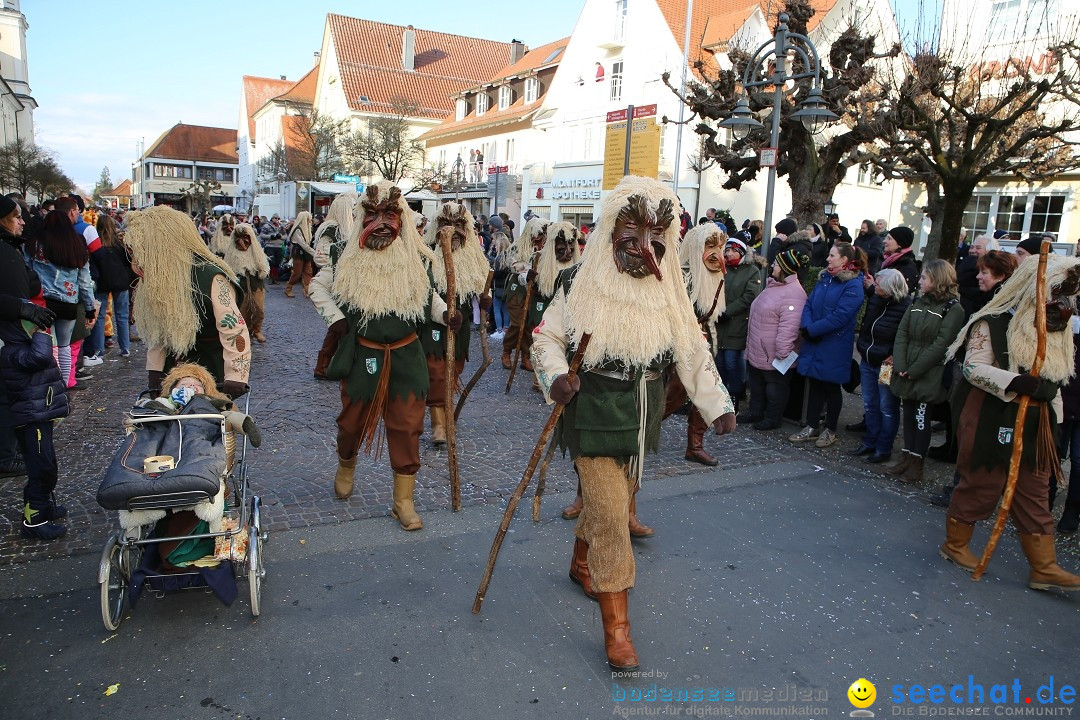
<point x="179" y="160"/>
<point x="17" y="104"/>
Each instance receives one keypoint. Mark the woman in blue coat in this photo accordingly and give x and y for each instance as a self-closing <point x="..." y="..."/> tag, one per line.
<point x="828" y="332"/>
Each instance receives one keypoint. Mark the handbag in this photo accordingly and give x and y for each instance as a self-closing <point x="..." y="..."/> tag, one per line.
<point x="884" y="376"/>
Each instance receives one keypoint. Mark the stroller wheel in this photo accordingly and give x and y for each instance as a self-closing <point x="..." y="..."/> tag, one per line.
<point x="255" y="557"/>
<point x="114" y="572"/>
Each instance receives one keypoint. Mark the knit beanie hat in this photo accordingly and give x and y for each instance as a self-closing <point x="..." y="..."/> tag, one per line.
<point x="903" y="236"/>
<point x="787" y="226"/>
<point x="1033" y="244"/>
<point x="7" y="206"/>
<point x="790" y="261"/>
<point x="739" y="245"/>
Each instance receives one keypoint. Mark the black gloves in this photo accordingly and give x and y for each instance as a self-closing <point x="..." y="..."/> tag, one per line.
<point x="806" y="334"/>
<point x="234" y="389"/>
<point x="1036" y="388"/>
<point x="724" y="424"/>
<point x="485" y="302"/>
<point x="563" y="390"/>
<point x="42" y="317"/>
<point x="91" y="314"/>
<point x="339" y="327"/>
<point x="452" y="321"/>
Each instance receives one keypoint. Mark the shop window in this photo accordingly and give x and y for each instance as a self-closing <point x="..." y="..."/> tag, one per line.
<point x="977" y="215"/>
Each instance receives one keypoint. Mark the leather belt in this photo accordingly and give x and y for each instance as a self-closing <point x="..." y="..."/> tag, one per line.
<point x="386" y="347"/>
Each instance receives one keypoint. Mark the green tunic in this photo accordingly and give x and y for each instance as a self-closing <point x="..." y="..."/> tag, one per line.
<point x="433" y="335"/>
<point x="207" y="350"/>
<point x="361" y="366"/>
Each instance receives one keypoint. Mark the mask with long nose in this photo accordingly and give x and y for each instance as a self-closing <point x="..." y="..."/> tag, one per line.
<point x="382" y="218"/>
<point x="638" y="242"/>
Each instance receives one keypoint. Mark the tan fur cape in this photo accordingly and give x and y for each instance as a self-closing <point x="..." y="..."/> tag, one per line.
<point x="164" y="243"/>
<point x="700" y="282"/>
<point x="339" y="215"/>
<point x="634" y="320"/>
<point x="1017" y="295"/>
<point x="252" y="261"/>
<point x="300" y="235"/>
<point x="470" y="264"/>
<point x="549" y="267"/>
<point x="382" y="282"/>
<point x="220" y="241"/>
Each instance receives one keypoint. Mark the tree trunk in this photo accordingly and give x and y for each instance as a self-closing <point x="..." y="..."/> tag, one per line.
<point x="955" y="200"/>
<point x="809" y="193"/>
<point x="934" y="209"/>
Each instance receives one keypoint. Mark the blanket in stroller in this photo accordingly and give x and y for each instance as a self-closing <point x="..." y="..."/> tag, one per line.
<point x="196" y="445"/>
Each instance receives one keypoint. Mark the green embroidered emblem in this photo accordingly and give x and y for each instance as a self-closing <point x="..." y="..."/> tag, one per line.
<point x="229" y="321"/>
<point x="435" y="335"/>
<point x="372" y="365"/>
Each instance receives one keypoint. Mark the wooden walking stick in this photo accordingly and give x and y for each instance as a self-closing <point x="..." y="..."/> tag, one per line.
<point x="541" y="482"/>
<point x="445" y="238"/>
<point x="524" y="323"/>
<point x="1021" y="416"/>
<point x="483" y="348"/>
<point x="511" y="506"/>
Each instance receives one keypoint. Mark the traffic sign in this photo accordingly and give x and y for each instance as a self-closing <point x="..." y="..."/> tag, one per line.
<point x="644" y="157"/>
<point x="359" y="188"/>
<point x="341" y="178"/>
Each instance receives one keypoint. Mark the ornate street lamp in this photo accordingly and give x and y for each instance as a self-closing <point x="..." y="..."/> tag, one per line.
<point x="830" y="207"/>
<point x="768" y="66"/>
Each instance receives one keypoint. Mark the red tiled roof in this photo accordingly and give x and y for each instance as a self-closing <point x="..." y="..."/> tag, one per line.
<point x="259" y="90"/>
<point x="196" y="142"/>
<point x="538" y="58"/>
<point x="518" y="110"/>
<point x="121" y="190"/>
<point x="725" y="12"/>
<point x="369" y="60"/>
<point x="303" y="91"/>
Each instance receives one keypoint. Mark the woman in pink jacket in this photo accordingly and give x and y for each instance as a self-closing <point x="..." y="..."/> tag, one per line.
<point x="773" y="335"/>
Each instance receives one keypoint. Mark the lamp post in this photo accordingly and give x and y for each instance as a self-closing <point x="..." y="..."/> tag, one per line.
<point x="830" y="207"/>
<point x="812" y="112"/>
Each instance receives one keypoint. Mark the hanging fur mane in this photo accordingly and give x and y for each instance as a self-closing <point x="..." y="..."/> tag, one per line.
<point x="522" y="250"/>
<point x="340" y="215"/>
<point x="1017" y="295"/>
<point x="164" y="243"/>
<point x="252" y="261"/>
<point x="470" y="264"/>
<point x="549" y="267"/>
<point x="301" y="232"/>
<point x="632" y="320"/>
<point x="220" y="240"/>
<point x="383" y="282"/>
<point x="700" y="282"/>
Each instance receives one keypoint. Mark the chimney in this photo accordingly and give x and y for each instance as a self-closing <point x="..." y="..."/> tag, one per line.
<point x="517" y="51"/>
<point x="284" y="78"/>
<point x="318" y="57"/>
<point x="408" y="49"/>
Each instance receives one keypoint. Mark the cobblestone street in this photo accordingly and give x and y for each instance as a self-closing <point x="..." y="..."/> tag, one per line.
<point x="293" y="470"/>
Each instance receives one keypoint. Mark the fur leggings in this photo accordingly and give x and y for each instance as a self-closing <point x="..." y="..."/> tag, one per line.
<point x="606" y="488"/>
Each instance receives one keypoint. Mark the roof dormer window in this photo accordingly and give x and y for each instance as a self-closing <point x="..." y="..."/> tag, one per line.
<point x="506" y="97"/>
<point x="482" y="101"/>
<point x="532" y="89"/>
<point x="461" y="109"/>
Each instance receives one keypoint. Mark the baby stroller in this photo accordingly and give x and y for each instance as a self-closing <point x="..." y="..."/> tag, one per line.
<point x="170" y="466"/>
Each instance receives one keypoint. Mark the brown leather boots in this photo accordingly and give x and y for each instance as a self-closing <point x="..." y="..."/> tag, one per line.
<point x="695" y="439"/>
<point x="620" y="649"/>
<point x="579" y="567"/>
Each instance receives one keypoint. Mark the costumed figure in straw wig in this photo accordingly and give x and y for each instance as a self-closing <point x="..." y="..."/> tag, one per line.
<point x="219" y="241"/>
<point x="471" y="270"/>
<point x="525" y="247"/>
<point x="186" y="306"/>
<point x="303" y="253"/>
<point x="329" y="241"/>
<point x="997" y="350"/>
<point x="248" y="260"/>
<point x="628" y="296"/>
<point x="383" y="291"/>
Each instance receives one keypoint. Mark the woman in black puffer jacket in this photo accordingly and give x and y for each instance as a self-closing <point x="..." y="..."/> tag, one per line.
<point x="110" y="268"/>
<point x="884" y="311"/>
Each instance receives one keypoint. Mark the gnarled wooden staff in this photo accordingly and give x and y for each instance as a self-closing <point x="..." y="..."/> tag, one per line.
<point x="524" y="323"/>
<point x="541" y="482"/>
<point x="483" y="348"/>
<point x="445" y="238"/>
<point x="508" y="515"/>
<point x="1021" y="416"/>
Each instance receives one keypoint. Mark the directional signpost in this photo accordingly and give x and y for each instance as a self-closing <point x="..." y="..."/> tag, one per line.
<point x="633" y="153"/>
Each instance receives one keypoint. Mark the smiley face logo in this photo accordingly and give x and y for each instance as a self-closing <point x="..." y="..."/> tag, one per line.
<point x="862" y="693"/>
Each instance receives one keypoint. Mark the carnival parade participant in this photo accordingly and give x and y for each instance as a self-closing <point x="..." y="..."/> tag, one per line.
<point x="997" y="350"/>
<point x="382" y="290"/>
<point x="222" y="237"/>
<point x="303" y="253"/>
<point x="187" y="301"/>
<point x="528" y="243"/>
<point x="328" y="243"/>
<point x="471" y="268"/>
<point x="628" y="296"/>
<point x="246" y="258"/>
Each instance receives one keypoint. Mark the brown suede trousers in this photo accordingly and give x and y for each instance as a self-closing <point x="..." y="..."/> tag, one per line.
<point x="403" y="423"/>
<point x="516" y="307"/>
<point x="606" y="488"/>
<point x="437" y="379"/>
<point x="977" y="495"/>
<point x="302" y="271"/>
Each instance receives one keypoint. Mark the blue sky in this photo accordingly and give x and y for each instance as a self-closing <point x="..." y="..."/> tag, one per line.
<point x="108" y="74"/>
